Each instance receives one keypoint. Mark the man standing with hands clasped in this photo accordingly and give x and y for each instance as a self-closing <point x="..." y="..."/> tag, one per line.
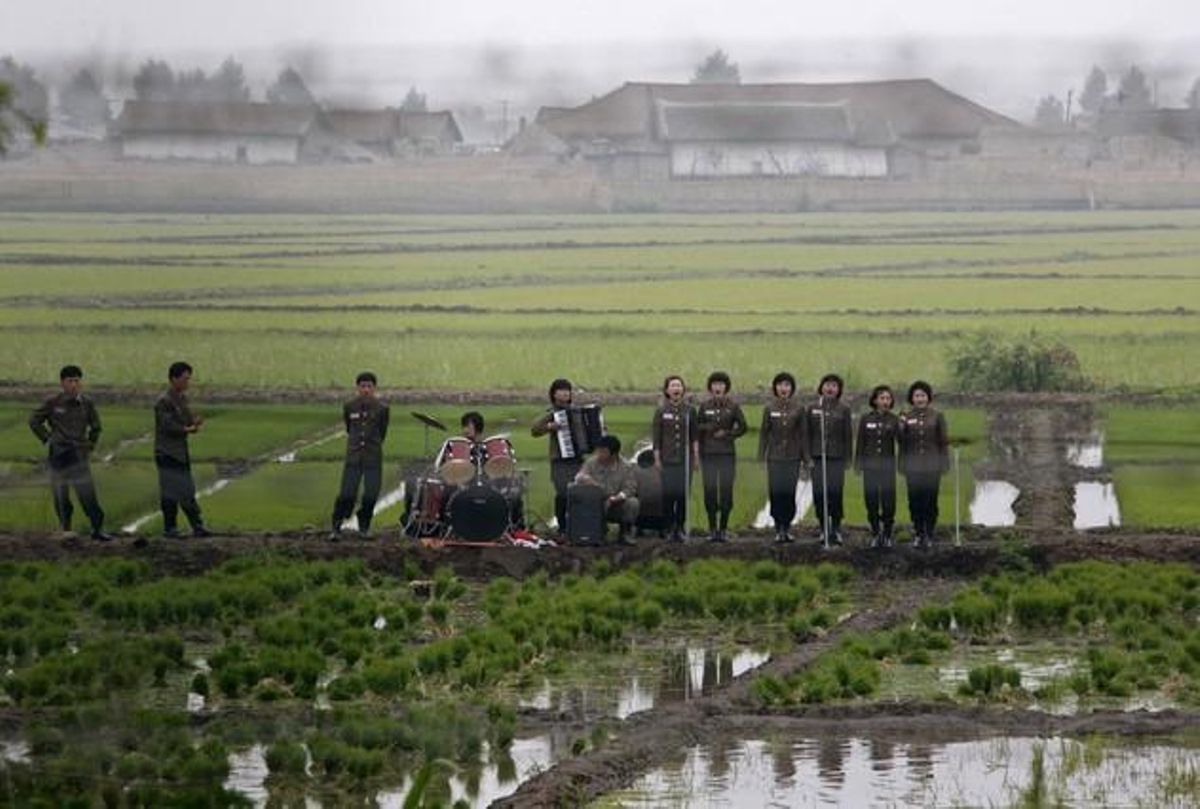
<point x="69" y="426"/>
<point x="173" y="423"/>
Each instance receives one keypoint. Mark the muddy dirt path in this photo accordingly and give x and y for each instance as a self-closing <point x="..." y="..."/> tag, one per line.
<point x="984" y="551"/>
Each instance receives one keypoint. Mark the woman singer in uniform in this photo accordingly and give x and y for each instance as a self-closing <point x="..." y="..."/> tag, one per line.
<point x="719" y="422"/>
<point x="924" y="457"/>
<point x="875" y="460"/>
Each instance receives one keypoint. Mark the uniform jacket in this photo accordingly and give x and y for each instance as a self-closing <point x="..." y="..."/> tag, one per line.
<point x="66" y="424"/>
<point x="839" y="438"/>
<point x="719" y="414"/>
<point x="781" y="436"/>
<point x="669" y="431"/>
<point x="875" y="448"/>
<point x="172" y="417"/>
<point x="613" y="477"/>
<point x="924" y="441"/>
<point x="366" y="419"/>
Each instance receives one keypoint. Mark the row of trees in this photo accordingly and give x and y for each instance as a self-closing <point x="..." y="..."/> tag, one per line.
<point x="1133" y="92"/>
<point x="83" y="100"/>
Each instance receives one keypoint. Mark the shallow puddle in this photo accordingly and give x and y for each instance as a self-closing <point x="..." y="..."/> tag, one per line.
<point x="864" y="772"/>
<point x="479" y="786"/>
<point x="1087" y="453"/>
<point x="804" y="499"/>
<point x="248" y="774"/>
<point x="679" y="675"/>
<point x="992" y="505"/>
<point x="1096" y="505"/>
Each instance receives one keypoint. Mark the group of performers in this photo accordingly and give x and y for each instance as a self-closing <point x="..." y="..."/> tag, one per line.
<point x="474" y="489"/>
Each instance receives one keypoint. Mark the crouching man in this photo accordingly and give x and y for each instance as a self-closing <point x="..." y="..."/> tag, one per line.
<point x="609" y="472"/>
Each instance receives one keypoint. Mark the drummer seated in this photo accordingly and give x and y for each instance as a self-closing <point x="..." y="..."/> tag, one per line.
<point x="608" y="471"/>
<point x="472" y="426"/>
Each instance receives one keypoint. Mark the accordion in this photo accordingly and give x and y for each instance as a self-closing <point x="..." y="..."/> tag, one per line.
<point x="584" y="427"/>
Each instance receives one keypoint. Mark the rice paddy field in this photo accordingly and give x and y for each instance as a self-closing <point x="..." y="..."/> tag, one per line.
<point x="470" y="304"/>
<point x="1052" y="659"/>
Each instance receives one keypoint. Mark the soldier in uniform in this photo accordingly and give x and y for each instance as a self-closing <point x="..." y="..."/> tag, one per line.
<point x="875" y="460"/>
<point x="69" y="426"/>
<point x="829" y="442"/>
<point x="673" y="435"/>
<point x="608" y="470"/>
<point x="781" y="446"/>
<point x="562" y="470"/>
<point x="719" y="422"/>
<point x="924" y="456"/>
<point x="173" y="423"/>
<point x="366" y="419"/>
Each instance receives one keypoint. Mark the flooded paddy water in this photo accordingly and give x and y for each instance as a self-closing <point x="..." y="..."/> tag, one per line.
<point x="858" y="771"/>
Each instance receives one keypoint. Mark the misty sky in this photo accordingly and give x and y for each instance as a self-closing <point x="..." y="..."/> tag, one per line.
<point x="158" y="26"/>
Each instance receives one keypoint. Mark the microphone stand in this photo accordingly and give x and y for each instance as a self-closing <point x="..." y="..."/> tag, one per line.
<point x="687" y="468"/>
<point x="824" y="482"/>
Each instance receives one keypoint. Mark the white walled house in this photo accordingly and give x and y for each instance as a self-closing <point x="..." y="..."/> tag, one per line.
<point x="242" y="132"/>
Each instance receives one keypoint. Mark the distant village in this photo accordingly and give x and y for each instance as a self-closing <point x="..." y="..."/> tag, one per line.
<point x="712" y="128"/>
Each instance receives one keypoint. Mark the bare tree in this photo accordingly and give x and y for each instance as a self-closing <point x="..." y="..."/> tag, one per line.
<point x="717" y="69"/>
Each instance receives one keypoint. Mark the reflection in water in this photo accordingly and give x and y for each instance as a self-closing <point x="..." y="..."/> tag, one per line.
<point x="863" y="772"/>
<point x="681" y="674"/>
<point x="1096" y="505"/>
<point x="992" y="505"/>
<point x="1088" y="453"/>
<point x="248" y="774"/>
<point x="804" y="498"/>
<point x="479" y="785"/>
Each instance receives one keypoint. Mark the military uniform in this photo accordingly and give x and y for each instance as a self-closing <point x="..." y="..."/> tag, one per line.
<point x="614" y="478"/>
<point x="924" y="456"/>
<point x="672" y="431"/>
<point x="562" y="470"/>
<point x="366" y="420"/>
<point x="177" y="489"/>
<point x="719" y="422"/>
<point x="836" y="447"/>
<point x="69" y="426"/>
<point x="875" y="458"/>
<point x="781" y="445"/>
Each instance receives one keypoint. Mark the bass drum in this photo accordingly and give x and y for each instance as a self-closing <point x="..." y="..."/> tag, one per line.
<point x="478" y="513"/>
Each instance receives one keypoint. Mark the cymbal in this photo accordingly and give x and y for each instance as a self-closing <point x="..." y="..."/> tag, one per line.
<point x="429" y="421"/>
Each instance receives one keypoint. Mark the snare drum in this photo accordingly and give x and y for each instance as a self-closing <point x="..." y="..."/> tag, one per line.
<point x="455" y="463"/>
<point x="430" y="501"/>
<point x="500" y="458"/>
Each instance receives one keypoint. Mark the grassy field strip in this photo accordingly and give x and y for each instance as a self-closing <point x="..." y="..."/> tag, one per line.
<point x="1154" y="455"/>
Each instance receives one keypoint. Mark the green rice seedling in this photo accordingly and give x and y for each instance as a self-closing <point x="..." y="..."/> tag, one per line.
<point x="990" y="680"/>
<point x="976" y="612"/>
<point x="287" y="758"/>
<point x="935" y="616"/>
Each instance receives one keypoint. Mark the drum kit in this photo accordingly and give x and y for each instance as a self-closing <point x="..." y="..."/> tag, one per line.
<point x="472" y="490"/>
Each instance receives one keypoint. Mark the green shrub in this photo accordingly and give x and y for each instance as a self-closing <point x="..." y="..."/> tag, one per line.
<point x="988" y="362"/>
<point x="989" y="680"/>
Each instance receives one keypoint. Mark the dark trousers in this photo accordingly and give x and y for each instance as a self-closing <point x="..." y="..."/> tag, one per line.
<point x="718" y="472"/>
<point x="830" y="479"/>
<point x="674" y="494"/>
<point x="782" y="477"/>
<point x="72" y="470"/>
<point x="177" y="491"/>
<point x="369" y="473"/>
<point x="562" y="475"/>
<point x="923" y="500"/>
<point x="879" y="491"/>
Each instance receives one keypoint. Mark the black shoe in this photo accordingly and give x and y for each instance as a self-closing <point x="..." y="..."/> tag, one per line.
<point x="335" y="535"/>
<point x="100" y="536"/>
<point x="676" y="536"/>
<point x="876" y="540"/>
<point x="626" y="540"/>
<point x="714" y="536"/>
<point x="200" y="532"/>
<point x="172" y="533"/>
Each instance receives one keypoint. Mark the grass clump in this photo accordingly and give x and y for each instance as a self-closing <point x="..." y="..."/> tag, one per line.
<point x="990" y="680"/>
